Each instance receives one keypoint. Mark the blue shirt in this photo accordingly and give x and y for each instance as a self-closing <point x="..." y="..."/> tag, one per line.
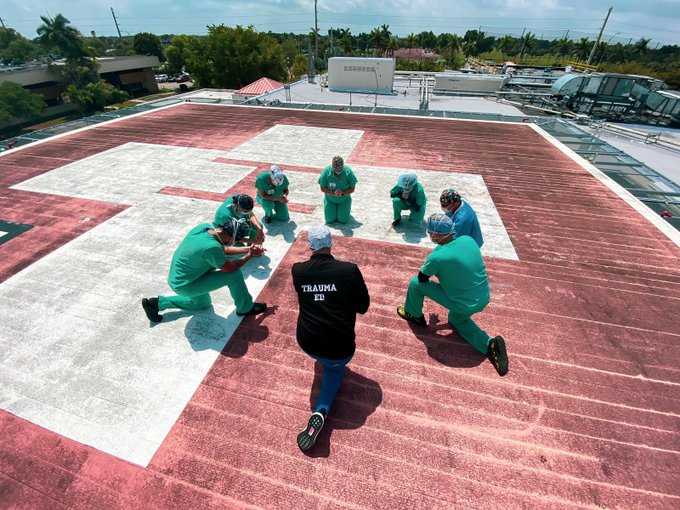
<point x="466" y="223"/>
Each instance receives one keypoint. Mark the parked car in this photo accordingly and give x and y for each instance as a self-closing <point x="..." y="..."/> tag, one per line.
<point x="184" y="77"/>
<point x="161" y="78"/>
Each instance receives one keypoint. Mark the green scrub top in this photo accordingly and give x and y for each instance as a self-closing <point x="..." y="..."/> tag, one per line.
<point x="226" y="211"/>
<point x="264" y="185"/>
<point x="459" y="267"/>
<point x="417" y="195"/>
<point x="198" y="253"/>
<point x="346" y="180"/>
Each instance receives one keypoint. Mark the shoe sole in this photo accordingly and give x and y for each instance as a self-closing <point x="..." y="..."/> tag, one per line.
<point x="307" y="438"/>
<point x="503" y="365"/>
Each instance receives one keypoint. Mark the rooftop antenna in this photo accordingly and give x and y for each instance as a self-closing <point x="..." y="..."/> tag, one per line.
<point x="599" y="37"/>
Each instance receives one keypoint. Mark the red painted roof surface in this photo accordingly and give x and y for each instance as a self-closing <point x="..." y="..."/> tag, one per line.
<point x="589" y="415"/>
<point x="261" y="86"/>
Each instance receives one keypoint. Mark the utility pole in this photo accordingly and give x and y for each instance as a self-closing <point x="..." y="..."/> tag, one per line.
<point x="116" y="22"/>
<point x="316" y="36"/>
<point x="599" y="36"/>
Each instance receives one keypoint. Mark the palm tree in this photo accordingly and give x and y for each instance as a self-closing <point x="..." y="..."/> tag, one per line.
<point x="392" y="44"/>
<point x="380" y="38"/>
<point x="411" y="40"/>
<point x="56" y="33"/>
<point x="582" y="48"/>
<point x="506" y="44"/>
<point x="345" y="36"/>
<point x="641" y="46"/>
<point x="528" y="42"/>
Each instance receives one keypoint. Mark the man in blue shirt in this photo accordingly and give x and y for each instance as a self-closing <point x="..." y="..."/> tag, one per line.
<point x="462" y="214"/>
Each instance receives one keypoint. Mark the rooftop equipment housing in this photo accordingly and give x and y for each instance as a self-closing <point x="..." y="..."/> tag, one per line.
<point x="358" y="74"/>
<point x="463" y="82"/>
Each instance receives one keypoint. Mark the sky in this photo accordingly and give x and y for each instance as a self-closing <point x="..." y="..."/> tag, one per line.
<point x="658" y="20"/>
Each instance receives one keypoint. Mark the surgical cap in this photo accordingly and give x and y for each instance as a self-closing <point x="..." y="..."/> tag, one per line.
<point x="440" y="223"/>
<point x="277" y="175"/>
<point x="319" y="237"/>
<point x="407" y="181"/>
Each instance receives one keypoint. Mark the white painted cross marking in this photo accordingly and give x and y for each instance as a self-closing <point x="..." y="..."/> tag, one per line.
<point x="77" y="355"/>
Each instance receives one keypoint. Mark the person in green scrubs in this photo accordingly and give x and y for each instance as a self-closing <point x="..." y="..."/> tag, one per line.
<point x="241" y="207"/>
<point x="272" y="194"/>
<point x="408" y="195"/>
<point x="337" y="182"/>
<point x="201" y="264"/>
<point x="463" y="288"/>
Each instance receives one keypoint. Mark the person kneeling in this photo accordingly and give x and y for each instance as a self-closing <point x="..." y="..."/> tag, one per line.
<point x="330" y="294"/>
<point x="463" y="288"/>
<point x="408" y="195"/>
<point x="201" y="265"/>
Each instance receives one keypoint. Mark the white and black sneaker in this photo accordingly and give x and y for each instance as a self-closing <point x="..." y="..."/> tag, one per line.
<point x="307" y="438"/>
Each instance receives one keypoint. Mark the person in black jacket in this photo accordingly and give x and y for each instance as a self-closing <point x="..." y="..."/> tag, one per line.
<point x="330" y="294"/>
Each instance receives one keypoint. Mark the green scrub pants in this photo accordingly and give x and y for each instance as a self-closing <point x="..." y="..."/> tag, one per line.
<point x="459" y="319"/>
<point x="196" y="295"/>
<point x="337" y="208"/>
<point x="399" y="205"/>
<point x="277" y="211"/>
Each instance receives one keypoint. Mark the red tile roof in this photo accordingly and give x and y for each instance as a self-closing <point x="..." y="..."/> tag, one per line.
<point x="261" y="86"/>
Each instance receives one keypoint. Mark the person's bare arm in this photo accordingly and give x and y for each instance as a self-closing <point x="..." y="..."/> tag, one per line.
<point x="233" y="265"/>
<point x="347" y="192"/>
<point x="236" y="250"/>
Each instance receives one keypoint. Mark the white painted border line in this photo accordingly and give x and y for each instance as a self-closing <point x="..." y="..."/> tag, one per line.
<point x="92" y="126"/>
<point x="666" y="228"/>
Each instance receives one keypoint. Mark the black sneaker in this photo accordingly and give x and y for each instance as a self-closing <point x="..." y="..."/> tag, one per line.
<point x="150" y="306"/>
<point x="257" y="308"/>
<point x="498" y="356"/>
<point x="396" y="222"/>
<point x="418" y="321"/>
<point x="307" y="438"/>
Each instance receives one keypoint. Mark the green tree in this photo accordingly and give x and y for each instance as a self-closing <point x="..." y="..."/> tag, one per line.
<point x="94" y="96"/>
<point x="506" y="44"/>
<point x="290" y="51"/>
<point x="300" y="67"/>
<point x="346" y="41"/>
<point x="17" y="102"/>
<point x="380" y="38"/>
<point x="411" y="40"/>
<point x="427" y="40"/>
<point x="146" y="43"/>
<point x="175" y="59"/>
<point x="527" y="42"/>
<point x="15" y="48"/>
<point x="57" y="34"/>
<point x="233" y="57"/>
<point x="582" y="48"/>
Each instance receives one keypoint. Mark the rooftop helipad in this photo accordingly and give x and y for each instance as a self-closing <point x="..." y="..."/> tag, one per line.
<point x="100" y="410"/>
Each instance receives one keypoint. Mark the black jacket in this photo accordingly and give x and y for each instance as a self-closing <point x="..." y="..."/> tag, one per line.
<point x="330" y="293"/>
